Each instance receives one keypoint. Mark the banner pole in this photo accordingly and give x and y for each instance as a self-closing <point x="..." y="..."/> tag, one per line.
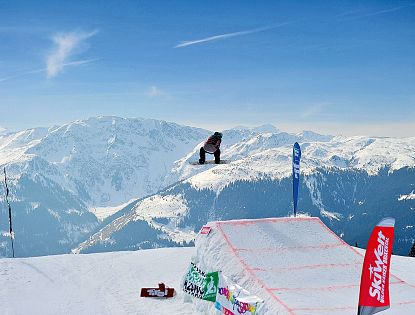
<point x="10" y="211"/>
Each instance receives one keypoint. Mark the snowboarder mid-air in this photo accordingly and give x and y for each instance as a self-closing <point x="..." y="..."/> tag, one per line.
<point x="211" y="146"/>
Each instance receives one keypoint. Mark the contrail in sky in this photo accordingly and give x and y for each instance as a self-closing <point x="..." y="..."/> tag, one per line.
<point x="228" y="35"/>
<point x="71" y="63"/>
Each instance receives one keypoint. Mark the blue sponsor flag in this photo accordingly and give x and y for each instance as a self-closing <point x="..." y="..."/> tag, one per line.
<point x="296" y="174"/>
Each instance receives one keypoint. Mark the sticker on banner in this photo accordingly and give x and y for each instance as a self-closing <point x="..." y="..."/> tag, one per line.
<point x="234" y="300"/>
<point x="210" y="287"/>
<point x="194" y="281"/>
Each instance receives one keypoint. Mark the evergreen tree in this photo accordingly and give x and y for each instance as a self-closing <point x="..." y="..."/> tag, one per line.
<point x="412" y="252"/>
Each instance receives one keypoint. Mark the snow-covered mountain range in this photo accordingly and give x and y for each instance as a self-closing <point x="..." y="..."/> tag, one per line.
<point x="68" y="182"/>
<point x="59" y="176"/>
<point x="350" y="182"/>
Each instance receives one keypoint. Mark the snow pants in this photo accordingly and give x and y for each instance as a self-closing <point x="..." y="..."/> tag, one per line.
<point x="203" y="156"/>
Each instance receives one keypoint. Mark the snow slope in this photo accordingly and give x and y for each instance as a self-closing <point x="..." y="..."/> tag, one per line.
<point x="98" y="284"/>
<point x="109" y="283"/>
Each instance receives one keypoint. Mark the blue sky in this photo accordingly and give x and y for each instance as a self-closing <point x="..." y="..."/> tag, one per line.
<point x="340" y="67"/>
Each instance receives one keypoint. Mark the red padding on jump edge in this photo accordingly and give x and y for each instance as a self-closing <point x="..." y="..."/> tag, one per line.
<point x="282" y="269"/>
<point x="342" y="308"/>
<point x="279" y="249"/>
<point x="254" y="221"/>
<point x="326" y="308"/>
<point x="329" y="288"/>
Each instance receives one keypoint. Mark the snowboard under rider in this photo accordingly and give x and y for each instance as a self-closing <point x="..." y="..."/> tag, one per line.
<point x="211" y="146"/>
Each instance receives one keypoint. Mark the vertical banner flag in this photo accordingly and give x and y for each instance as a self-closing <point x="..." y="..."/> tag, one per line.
<point x="296" y="174"/>
<point x="374" y="285"/>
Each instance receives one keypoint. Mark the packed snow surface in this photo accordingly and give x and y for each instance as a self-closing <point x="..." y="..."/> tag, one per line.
<point x="96" y="284"/>
<point x="296" y="265"/>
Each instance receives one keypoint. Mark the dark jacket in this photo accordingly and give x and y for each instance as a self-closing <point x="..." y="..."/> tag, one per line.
<point x="212" y="144"/>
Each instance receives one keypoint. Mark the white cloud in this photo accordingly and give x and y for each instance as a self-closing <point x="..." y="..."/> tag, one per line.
<point x="314" y="109"/>
<point x="154" y="91"/>
<point x="66" y="45"/>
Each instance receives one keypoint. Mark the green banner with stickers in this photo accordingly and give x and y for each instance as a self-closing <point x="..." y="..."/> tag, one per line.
<point x="200" y="284"/>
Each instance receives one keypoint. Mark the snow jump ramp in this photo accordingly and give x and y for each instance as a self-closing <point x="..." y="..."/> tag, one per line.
<point x="298" y="266"/>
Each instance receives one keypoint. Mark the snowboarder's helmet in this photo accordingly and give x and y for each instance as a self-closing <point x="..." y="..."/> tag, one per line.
<point x="218" y="134"/>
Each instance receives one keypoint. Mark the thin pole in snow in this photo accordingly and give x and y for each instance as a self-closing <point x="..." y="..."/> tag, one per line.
<point x="10" y="211"/>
